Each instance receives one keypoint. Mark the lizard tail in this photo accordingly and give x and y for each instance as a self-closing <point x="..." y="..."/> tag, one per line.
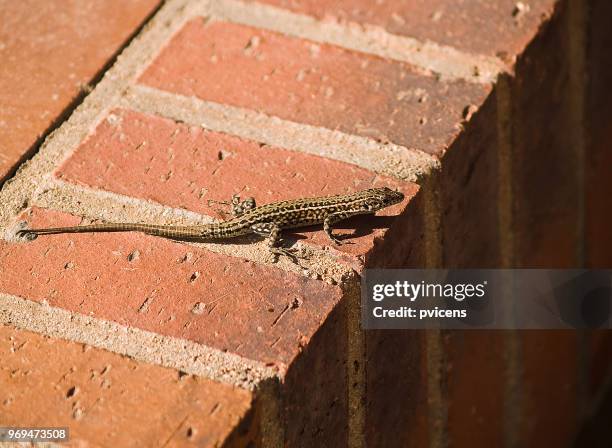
<point x="150" y="229"/>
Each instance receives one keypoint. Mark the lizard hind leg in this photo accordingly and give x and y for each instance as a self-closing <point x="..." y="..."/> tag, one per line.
<point x="237" y="206"/>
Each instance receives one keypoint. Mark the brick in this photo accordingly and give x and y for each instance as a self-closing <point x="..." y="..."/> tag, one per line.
<point x="323" y="85"/>
<point x="600" y="366"/>
<point x="396" y="360"/>
<point x="404" y="245"/>
<point x="595" y="430"/>
<point x="544" y="173"/>
<point x="468" y="194"/>
<point x="316" y="84"/>
<point x="397" y="402"/>
<point x="109" y="400"/>
<point x="315" y="406"/>
<point x="467" y="190"/>
<point x="549" y="387"/>
<point x="170" y="163"/>
<point x="477" y="26"/>
<point x="249" y="309"/>
<point x="546" y="221"/>
<point x="50" y="50"/>
<point x="598" y="182"/>
<point x="475" y="387"/>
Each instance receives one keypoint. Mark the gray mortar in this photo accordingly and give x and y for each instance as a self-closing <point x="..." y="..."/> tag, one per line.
<point x="446" y="62"/>
<point x="388" y="159"/>
<point x="146" y="346"/>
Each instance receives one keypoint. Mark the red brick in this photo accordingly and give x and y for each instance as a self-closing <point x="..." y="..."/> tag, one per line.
<point x="475" y="387"/>
<point x="315" y="406"/>
<point x="468" y="192"/>
<point x="598" y="191"/>
<point x="316" y="84"/>
<point x="49" y="51"/>
<point x="404" y="243"/>
<point x="477" y="26"/>
<point x="546" y="197"/>
<point x="549" y="387"/>
<point x="600" y="357"/>
<point x="598" y="188"/>
<point x="90" y="274"/>
<point x="109" y="400"/>
<point x="157" y="159"/>
<point x="595" y="431"/>
<point x="599" y="130"/>
<point x="397" y="402"/>
<point x="546" y="186"/>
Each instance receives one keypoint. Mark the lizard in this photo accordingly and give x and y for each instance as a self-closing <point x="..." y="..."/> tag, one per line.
<point x="267" y="220"/>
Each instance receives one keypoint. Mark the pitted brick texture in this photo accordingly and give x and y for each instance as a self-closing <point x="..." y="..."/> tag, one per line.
<point x="50" y="51"/>
<point x="109" y="400"/>
<point x="475" y="363"/>
<point x="183" y="166"/>
<point x="467" y="389"/>
<point x="312" y="83"/>
<point x="256" y="311"/>
<point x="491" y="27"/>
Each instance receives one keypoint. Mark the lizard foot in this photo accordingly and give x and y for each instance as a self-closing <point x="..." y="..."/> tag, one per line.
<point x="289" y="253"/>
<point x="26" y="234"/>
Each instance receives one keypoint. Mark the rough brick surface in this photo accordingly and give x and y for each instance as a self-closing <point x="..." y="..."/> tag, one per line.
<point x="598" y="188"/>
<point x="318" y="383"/>
<point x="404" y="245"/>
<point x="109" y="400"/>
<point x="169" y="288"/>
<point x="469" y="202"/>
<point x="173" y="164"/>
<point x="478" y="26"/>
<point x="545" y="179"/>
<point x="595" y="431"/>
<point x="396" y="360"/>
<point x="546" y="220"/>
<point x="315" y="84"/>
<point x="475" y="362"/>
<point x="50" y="50"/>
<point x="397" y="402"/>
<point x="468" y="194"/>
<point x="600" y="367"/>
<point x="420" y="388"/>
<point x="544" y="354"/>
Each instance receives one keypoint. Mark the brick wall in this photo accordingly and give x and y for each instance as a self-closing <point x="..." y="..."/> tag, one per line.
<point x="489" y="116"/>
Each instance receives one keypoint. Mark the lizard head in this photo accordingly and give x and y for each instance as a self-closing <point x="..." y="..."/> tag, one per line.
<point x="383" y="197"/>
